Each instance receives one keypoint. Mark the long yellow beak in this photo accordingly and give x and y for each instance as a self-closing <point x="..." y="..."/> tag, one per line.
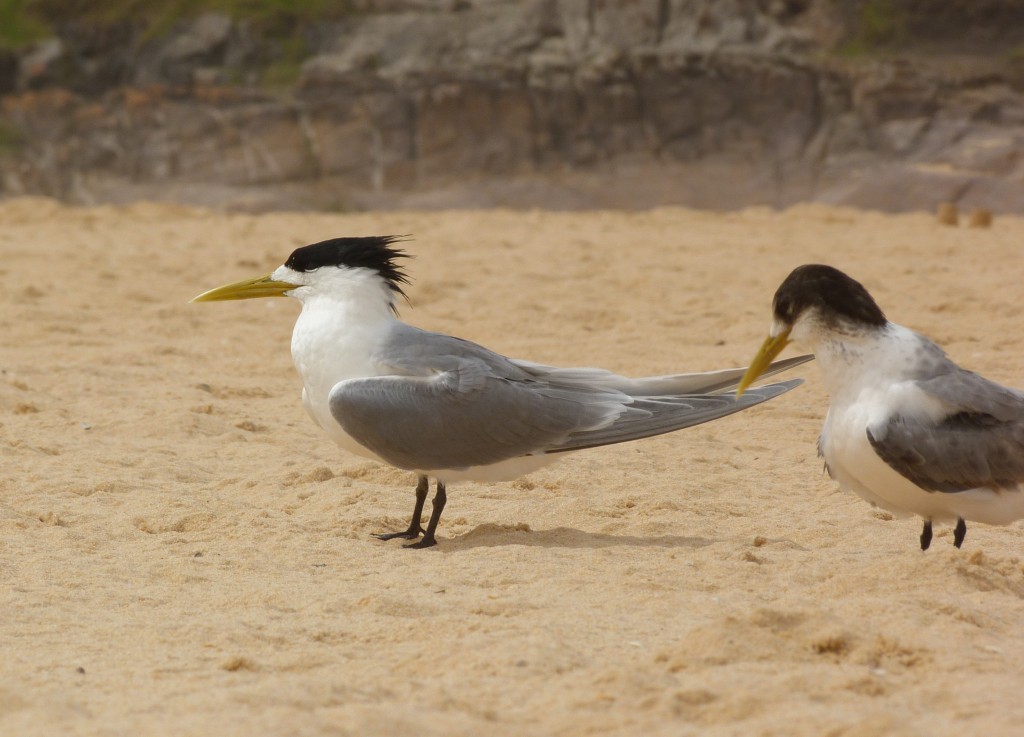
<point x="769" y="350"/>
<point x="263" y="286"/>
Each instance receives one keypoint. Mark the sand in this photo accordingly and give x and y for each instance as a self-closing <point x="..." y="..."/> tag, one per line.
<point x="182" y="552"/>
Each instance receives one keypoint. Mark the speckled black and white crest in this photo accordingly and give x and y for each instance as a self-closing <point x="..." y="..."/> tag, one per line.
<point x="835" y="295"/>
<point x="373" y="252"/>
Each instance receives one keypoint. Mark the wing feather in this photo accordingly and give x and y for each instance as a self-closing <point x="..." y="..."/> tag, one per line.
<point x="979" y="444"/>
<point x="705" y="382"/>
<point x="466" y="417"/>
<point x="448" y="403"/>
<point x="645" y="418"/>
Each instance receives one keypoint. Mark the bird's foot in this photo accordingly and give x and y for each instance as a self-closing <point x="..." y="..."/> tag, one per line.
<point x="926" y="534"/>
<point x="426" y="542"/>
<point x="960" y="532"/>
<point x="411" y="534"/>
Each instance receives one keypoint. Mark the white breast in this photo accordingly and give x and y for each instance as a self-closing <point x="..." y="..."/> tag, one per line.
<point x="856" y="465"/>
<point x="336" y="337"/>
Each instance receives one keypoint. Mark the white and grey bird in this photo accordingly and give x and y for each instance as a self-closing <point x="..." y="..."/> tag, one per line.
<point x="447" y="408"/>
<point x="907" y="429"/>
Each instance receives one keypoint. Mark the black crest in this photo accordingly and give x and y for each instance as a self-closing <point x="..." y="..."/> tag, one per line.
<point x="834" y="293"/>
<point x="373" y="252"/>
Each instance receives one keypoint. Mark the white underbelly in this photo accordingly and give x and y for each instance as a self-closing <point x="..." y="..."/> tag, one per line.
<point x="857" y="467"/>
<point x="321" y="415"/>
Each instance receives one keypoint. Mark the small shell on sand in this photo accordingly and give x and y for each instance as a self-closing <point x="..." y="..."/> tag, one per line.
<point x="947" y="214"/>
<point x="980" y="218"/>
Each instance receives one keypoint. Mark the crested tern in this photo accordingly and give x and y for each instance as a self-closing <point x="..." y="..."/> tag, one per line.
<point x="907" y="429"/>
<point x="447" y="408"/>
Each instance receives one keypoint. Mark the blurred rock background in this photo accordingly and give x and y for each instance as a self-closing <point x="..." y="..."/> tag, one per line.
<point x="265" y="104"/>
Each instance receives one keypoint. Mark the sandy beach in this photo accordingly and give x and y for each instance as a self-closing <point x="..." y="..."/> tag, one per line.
<point x="183" y="552"/>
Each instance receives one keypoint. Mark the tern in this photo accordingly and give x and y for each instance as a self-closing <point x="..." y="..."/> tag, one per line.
<point x="907" y="429"/>
<point x="447" y="408"/>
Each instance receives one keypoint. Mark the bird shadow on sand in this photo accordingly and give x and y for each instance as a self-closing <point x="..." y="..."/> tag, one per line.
<point x="490" y="536"/>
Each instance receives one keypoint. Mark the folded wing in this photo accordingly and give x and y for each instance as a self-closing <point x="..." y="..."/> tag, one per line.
<point x="979" y="444"/>
<point x="452" y="404"/>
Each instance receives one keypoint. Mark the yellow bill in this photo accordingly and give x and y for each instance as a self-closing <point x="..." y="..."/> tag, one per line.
<point x="771" y="347"/>
<point x="263" y="286"/>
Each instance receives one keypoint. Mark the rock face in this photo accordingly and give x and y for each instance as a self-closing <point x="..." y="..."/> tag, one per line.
<point x="559" y="103"/>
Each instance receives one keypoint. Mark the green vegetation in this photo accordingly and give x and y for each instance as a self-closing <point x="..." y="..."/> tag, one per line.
<point x="18" y="26"/>
<point x="280" y="25"/>
<point x="274" y="18"/>
<point x="1015" y="55"/>
<point x="25" y="21"/>
<point x="876" y="28"/>
<point x="271" y="15"/>
<point x="12" y="138"/>
<point x="881" y="24"/>
<point x="284" y="70"/>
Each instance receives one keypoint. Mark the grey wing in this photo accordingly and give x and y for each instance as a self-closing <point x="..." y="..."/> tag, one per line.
<point x="705" y="382"/>
<point x="966" y="391"/>
<point x="980" y="443"/>
<point x="649" y="416"/>
<point x="465" y="416"/>
<point x="454" y="404"/>
<point x="410" y="350"/>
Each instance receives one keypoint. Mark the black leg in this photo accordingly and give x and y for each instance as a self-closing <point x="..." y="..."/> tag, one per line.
<point x="414" y="526"/>
<point x="959" y="532"/>
<point x="926" y="534"/>
<point x="437" y="506"/>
